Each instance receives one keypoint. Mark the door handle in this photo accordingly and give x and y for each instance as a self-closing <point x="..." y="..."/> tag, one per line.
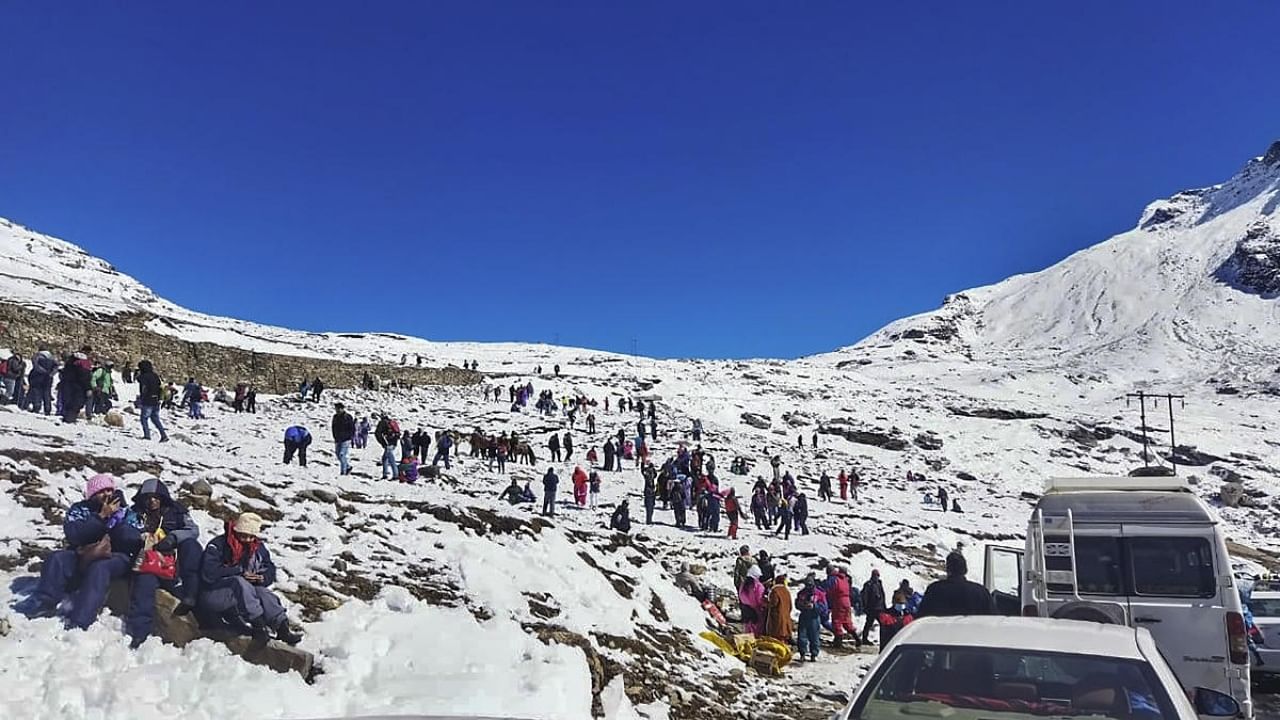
<point x="1147" y="620"/>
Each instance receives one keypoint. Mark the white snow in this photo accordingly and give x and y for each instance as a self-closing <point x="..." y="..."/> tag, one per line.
<point x="1142" y="310"/>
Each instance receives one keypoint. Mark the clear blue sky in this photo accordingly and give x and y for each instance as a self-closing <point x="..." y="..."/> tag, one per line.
<point x="728" y="179"/>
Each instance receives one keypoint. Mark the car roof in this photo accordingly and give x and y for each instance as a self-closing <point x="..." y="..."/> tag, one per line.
<point x="1040" y="634"/>
<point x="1135" y="506"/>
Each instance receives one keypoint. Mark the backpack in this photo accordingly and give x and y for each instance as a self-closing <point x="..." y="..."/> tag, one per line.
<point x="16" y="366"/>
<point x="393" y="429"/>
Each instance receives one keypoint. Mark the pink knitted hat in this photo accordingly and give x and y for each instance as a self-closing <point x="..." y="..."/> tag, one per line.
<point x="98" y="483"/>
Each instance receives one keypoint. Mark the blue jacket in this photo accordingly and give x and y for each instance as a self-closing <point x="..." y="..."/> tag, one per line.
<point x="550" y="481"/>
<point x="298" y="434"/>
<point x="82" y="527"/>
<point x="215" y="565"/>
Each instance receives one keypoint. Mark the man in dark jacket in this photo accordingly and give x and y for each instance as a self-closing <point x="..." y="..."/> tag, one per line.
<point x="955" y="595"/>
<point x="102" y="539"/>
<point x="40" y="394"/>
<point x="15" y="368"/>
<point x="553" y="444"/>
<point x="235" y="573"/>
<point x="550" y="482"/>
<point x="158" y="513"/>
<point x="296" y="439"/>
<point x="149" y="400"/>
<point x="73" y="386"/>
<point x="344" y="429"/>
<point x="387" y="433"/>
<point x="872" y="603"/>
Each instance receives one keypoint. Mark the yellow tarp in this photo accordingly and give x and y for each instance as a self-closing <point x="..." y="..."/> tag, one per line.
<point x="765" y="654"/>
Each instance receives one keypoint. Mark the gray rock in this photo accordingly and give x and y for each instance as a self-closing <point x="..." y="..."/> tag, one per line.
<point x="1231" y="494"/>
<point x="202" y="487"/>
<point x="321" y="496"/>
<point x="759" y="422"/>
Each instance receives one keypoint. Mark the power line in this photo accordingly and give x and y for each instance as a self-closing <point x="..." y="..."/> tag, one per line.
<point x="1142" y="398"/>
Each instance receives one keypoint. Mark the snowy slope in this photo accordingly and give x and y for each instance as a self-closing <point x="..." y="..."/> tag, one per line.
<point x="437" y="598"/>
<point x="1165" y="299"/>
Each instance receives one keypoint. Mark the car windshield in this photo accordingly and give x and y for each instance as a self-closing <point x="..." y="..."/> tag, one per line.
<point x="978" y="682"/>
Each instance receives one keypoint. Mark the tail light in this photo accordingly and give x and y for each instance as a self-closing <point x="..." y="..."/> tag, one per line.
<point x="1237" y="639"/>
<point x="1030" y="611"/>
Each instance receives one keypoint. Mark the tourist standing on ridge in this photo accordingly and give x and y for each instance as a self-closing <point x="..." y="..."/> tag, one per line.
<point x="388" y="436"/>
<point x="149" y="400"/>
<point x="343" y="427"/>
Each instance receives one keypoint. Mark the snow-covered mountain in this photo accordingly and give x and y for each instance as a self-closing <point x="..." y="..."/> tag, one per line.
<point x="437" y="598"/>
<point x="1189" y="293"/>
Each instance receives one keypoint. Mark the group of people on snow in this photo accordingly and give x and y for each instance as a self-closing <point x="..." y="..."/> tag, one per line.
<point x="152" y="540"/>
<point x="766" y="604"/>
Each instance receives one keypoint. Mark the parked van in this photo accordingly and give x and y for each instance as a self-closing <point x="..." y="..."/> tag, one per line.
<point x="1142" y="552"/>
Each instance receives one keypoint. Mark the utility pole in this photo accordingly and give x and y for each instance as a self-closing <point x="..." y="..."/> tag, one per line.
<point x="1142" y="398"/>
<point x="633" y="346"/>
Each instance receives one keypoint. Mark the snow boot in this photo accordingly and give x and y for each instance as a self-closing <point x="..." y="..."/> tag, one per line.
<point x="286" y="634"/>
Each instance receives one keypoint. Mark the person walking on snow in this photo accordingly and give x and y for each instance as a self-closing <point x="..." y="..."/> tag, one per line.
<point x="553" y="444"/>
<point x="193" y="394"/>
<point x="650" y="493"/>
<point x="778" y="618"/>
<point x="843" y="479"/>
<point x="568" y="447"/>
<point x="840" y="600"/>
<point x="732" y="509"/>
<point x="824" y="487"/>
<point x="149" y="400"/>
<point x="800" y="513"/>
<point x="751" y="601"/>
<point x="549" y="483"/>
<point x="810" y="602"/>
<point x="443" y="445"/>
<point x="40" y="393"/>
<point x="343" y="427"/>
<point x="593" y="489"/>
<point x="872" y="603"/>
<point x="388" y="436"/>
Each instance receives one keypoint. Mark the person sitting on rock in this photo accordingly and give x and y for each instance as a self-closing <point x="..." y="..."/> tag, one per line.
<point x="513" y="494"/>
<point x="621" y="518"/>
<point x="235" y="573"/>
<point x="167" y="528"/>
<point x="102" y="540"/>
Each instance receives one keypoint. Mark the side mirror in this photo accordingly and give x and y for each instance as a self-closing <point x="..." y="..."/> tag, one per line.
<point x="1215" y="704"/>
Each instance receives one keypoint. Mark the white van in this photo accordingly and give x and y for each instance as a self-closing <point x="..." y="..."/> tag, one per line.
<point x="1142" y="552"/>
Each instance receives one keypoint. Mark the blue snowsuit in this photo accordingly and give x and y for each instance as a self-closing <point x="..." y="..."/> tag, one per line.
<point x="62" y="571"/>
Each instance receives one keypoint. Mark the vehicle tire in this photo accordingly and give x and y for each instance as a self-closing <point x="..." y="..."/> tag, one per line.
<point x="1084" y="612"/>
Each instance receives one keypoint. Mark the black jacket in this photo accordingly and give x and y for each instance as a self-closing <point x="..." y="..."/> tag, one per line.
<point x="343" y="426"/>
<point x="148" y="385"/>
<point x="956" y="596"/>
<point x="873" y="596"/>
<point x="172" y="517"/>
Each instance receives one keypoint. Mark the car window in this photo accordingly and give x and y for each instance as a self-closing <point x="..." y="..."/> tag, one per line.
<point x="1172" y="566"/>
<point x="1098" y="565"/>
<point x="1264" y="607"/>
<point x="1011" y="683"/>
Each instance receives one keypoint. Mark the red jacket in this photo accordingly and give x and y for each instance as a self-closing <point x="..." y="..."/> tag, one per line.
<point x="579" y="477"/>
<point x="838" y="595"/>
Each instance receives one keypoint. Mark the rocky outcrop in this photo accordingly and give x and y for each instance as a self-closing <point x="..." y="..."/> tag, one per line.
<point x="995" y="413"/>
<point x="181" y="629"/>
<point x="1254" y="267"/>
<point x="125" y="339"/>
<point x="889" y="440"/>
<point x="759" y="422"/>
<point x="928" y="441"/>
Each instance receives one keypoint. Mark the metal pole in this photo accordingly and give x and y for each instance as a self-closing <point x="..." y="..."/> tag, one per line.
<point x="1146" y="443"/>
<point x="1173" y="445"/>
